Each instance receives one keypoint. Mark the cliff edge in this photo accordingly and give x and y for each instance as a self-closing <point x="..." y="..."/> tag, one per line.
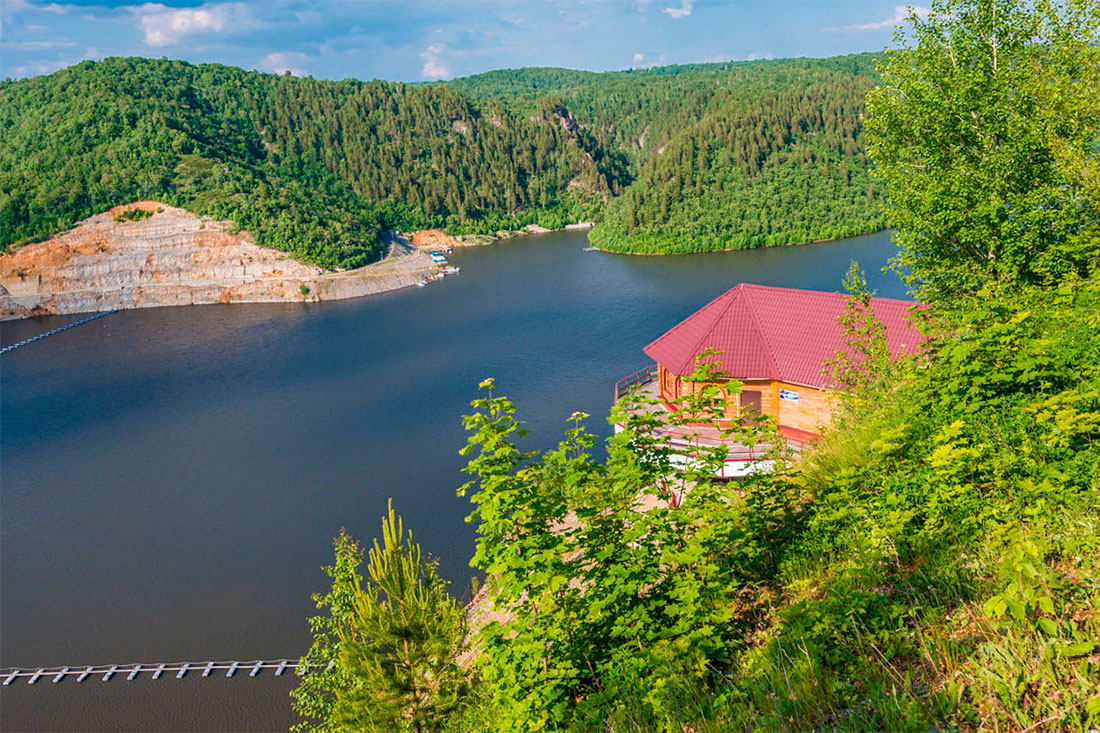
<point x="149" y="254"/>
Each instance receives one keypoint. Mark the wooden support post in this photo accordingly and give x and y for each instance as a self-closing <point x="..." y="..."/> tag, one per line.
<point x="35" y="676"/>
<point x="61" y="675"/>
<point x="183" y="671"/>
<point x="110" y="673"/>
<point x="281" y="668"/>
<point x="209" y="668"/>
<point x="84" y="675"/>
<point x="133" y="673"/>
<point x="159" y="672"/>
<point x="232" y="669"/>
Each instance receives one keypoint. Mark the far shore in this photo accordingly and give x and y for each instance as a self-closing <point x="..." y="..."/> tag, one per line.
<point x="737" y="249"/>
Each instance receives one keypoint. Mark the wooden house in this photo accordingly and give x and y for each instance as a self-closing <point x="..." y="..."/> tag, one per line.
<point x="777" y="342"/>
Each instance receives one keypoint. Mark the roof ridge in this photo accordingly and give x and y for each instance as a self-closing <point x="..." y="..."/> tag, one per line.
<point x="733" y="294"/>
<point x="762" y="335"/>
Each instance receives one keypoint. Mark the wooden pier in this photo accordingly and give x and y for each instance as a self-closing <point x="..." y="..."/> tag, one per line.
<point x="41" y="336"/>
<point x="107" y="672"/>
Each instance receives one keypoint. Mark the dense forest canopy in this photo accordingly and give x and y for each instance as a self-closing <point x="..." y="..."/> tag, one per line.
<point x="721" y="156"/>
<point x="674" y="159"/>
<point x="315" y="168"/>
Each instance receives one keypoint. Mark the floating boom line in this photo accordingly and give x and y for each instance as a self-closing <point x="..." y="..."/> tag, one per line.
<point x="108" y="672"/>
<point x="41" y="336"/>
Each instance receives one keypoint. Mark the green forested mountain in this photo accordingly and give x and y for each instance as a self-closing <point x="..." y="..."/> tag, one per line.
<point x="312" y="167"/>
<point x="721" y="155"/>
<point x="681" y="158"/>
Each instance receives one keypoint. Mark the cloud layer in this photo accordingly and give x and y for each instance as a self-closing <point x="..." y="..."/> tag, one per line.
<point x="901" y="14"/>
<point x="414" y="40"/>
<point x="166" y="27"/>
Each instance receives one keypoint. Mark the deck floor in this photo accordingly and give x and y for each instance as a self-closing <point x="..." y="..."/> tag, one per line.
<point x="701" y="436"/>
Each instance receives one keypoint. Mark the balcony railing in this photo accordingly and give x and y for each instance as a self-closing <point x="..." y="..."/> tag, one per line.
<point x="645" y="375"/>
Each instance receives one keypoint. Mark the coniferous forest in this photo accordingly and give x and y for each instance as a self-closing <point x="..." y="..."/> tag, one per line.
<point x="674" y="159"/>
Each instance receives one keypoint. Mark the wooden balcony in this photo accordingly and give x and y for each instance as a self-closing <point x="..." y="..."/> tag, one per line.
<point x="741" y="459"/>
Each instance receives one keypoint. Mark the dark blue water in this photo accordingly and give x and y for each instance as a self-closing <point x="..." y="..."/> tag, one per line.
<point x="172" y="478"/>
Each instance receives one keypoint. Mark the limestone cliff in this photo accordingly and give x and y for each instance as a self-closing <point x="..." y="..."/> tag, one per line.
<point x="173" y="257"/>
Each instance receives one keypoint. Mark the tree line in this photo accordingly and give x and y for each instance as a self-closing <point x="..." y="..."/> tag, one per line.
<point x="682" y="158"/>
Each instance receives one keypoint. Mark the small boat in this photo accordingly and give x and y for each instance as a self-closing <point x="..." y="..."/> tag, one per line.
<point x="451" y="270"/>
<point x="438" y="257"/>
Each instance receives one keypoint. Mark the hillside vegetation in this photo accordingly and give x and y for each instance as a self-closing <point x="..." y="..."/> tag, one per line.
<point x="683" y="158"/>
<point x="933" y="564"/>
<point x="314" y="168"/>
<point x="721" y="156"/>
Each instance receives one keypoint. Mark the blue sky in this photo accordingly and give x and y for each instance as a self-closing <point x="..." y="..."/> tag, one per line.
<point x="416" y="40"/>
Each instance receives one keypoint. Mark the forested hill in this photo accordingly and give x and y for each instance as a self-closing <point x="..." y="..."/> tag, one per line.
<point x="314" y="168"/>
<point x="681" y="158"/>
<point x="721" y="156"/>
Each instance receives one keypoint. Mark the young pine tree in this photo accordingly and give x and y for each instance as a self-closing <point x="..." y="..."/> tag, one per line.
<point x="383" y="657"/>
<point x="399" y="651"/>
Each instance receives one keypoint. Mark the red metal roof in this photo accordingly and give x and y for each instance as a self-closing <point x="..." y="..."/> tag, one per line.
<point x="775" y="333"/>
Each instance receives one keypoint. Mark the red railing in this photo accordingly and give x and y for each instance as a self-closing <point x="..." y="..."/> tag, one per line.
<point x="645" y="375"/>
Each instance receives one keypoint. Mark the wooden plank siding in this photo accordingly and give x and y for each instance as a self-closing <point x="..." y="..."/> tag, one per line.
<point x="812" y="410"/>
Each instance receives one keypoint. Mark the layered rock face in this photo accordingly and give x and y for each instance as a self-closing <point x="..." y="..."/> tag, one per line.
<point x="176" y="258"/>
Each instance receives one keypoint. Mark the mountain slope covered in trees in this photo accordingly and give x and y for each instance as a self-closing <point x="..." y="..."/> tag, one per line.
<point x="721" y="156"/>
<point x="315" y="168"/>
<point x="681" y="158"/>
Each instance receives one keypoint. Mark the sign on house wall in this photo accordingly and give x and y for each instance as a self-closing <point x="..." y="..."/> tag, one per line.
<point x="788" y="394"/>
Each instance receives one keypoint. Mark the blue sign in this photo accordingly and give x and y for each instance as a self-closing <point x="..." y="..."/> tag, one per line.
<point x="788" y="394"/>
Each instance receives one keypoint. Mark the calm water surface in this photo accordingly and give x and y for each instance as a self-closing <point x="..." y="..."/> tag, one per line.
<point x="172" y="478"/>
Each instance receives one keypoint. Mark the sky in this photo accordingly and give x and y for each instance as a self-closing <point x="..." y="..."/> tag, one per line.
<point x="425" y="40"/>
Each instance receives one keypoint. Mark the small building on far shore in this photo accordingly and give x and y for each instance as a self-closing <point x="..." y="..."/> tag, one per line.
<point x="777" y="342"/>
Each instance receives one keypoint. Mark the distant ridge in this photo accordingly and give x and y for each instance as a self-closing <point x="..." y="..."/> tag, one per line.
<point x="681" y="158"/>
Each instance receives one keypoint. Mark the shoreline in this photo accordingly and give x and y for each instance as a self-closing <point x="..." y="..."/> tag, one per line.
<point x="172" y="257"/>
<point x="736" y="249"/>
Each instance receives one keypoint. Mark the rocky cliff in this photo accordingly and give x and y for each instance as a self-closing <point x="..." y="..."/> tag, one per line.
<point x="173" y="257"/>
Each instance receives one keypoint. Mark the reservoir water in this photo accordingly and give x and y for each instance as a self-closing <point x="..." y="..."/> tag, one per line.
<point x="172" y="478"/>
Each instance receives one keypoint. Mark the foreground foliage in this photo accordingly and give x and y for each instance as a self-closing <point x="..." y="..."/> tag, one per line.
<point x="985" y="133"/>
<point x="384" y="658"/>
<point x="934" y="563"/>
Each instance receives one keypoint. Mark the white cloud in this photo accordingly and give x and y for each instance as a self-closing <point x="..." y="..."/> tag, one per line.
<point x="40" y="45"/>
<point x="901" y="14"/>
<point x="759" y="56"/>
<point x="40" y="67"/>
<point x="686" y="6"/>
<point x="434" y="65"/>
<point x="281" y="62"/>
<point x="164" y="26"/>
<point x="646" y="61"/>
